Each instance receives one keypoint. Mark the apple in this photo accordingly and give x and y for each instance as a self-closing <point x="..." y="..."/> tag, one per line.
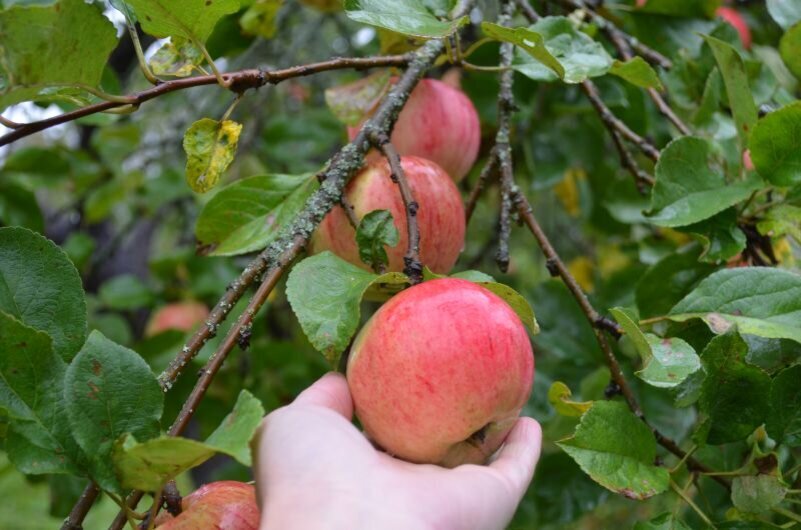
<point x="440" y="373"/>
<point x="440" y="123"/>
<point x="183" y="316"/>
<point x="223" y="505"/>
<point x="733" y="17"/>
<point x="440" y="216"/>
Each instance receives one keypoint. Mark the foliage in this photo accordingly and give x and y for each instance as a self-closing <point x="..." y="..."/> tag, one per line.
<point x="660" y="157"/>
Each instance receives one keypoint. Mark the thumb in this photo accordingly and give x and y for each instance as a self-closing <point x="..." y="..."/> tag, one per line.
<point x="331" y="392"/>
<point x="518" y="457"/>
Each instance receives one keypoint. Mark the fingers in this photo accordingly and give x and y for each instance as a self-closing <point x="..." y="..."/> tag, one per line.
<point x="331" y="392"/>
<point x="519" y="455"/>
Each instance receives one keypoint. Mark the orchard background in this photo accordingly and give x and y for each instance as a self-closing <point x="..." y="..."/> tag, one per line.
<point x="638" y="184"/>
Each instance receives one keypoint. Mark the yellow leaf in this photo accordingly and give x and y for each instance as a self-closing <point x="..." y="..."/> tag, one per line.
<point x="210" y="147"/>
<point x="582" y="270"/>
<point x="559" y="397"/>
<point x="568" y="191"/>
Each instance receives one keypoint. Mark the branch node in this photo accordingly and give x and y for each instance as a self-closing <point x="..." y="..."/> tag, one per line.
<point x="552" y="265"/>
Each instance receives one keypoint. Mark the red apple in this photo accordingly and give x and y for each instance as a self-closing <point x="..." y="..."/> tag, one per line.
<point x="440" y="216"/>
<point x="223" y="505"/>
<point x="440" y="373"/>
<point x="440" y="123"/>
<point x="733" y="17"/>
<point x="183" y="316"/>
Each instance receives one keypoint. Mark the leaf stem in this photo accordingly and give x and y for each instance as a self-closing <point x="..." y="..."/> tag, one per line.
<point x="691" y="503"/>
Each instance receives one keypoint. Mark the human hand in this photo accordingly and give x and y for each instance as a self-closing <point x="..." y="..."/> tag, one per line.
<point x="315" y="470"/>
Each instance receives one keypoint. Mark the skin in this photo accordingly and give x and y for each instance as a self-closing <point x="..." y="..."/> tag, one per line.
<point x="439" y="123"/>
<point x="440" y="216"/>
<point x="183" y="316"/>
<point x="315" y="471"/>
<point x="436" y="364"/>
<point x="733" y="17"/>
<point x="223" y="505"/>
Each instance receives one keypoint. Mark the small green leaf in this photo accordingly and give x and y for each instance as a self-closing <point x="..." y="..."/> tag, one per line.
<point x="18" y="207"/>
<point x="409" y="17"/>
<point x="559" y="398"/>
<point x="516" y="301"/>
<point x="179" y="57"/>
<point x="579" y="56"/>
<point x="31" y="383"/>
<point x="637" y="72"/>
<point x="734" y="395"/>
<point x="776" y="146"/>
<point x="782" y="220"/>
<point x="690" y="187"/>
<point x="474" y="276"/>
<point x="233" y="435"/>
<point x="375" y="230"/>
<point x="125" y="292"/>
<point x="148" y="466"/>
<point x="757" y="494"/>
<point x="720" y="235"/>
<point x="617" y="450"/>
<point x="786" y="13"/>
<point x="248" y="214"/>
<point x="784" y="418"/>
<point x="526" y="39"/>
<point x="760" y="301"/>
<point x="40" y="286"/>
<point x="350" y="103"/>
<point x="210" y="147"/>
<point x="666" y="521"/>
<point x="325" y="293"/>
<point x="109" y="391"/>
<point x="790" y="50"/>
<point x="193" y="20"/>
<point x="666" y="362"/>
<point x="735" y="78"/>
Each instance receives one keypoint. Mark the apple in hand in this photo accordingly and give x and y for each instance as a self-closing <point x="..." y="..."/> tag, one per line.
<point x="440" y="215"/>
<point x="223" y="505"/>
<point x="183" y="316"/>
<point x="440" y="123"/>
<point x="440" y="373"/>
<point x="733" y="17"/>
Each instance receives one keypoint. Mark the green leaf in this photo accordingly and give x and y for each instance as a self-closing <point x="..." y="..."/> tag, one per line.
<point x="761" y="301"/>
<point x="193" y="20"/>
<point x="784" y="418"/>
<point x="734" y="395"/>
<point x="666" y="521"/>
<point x="559" y="397"/>
<point x="148" y="466"/>
<point x="31" y="382"/>
<point x="578" y="54"/>
<point x="516" y="301"/>
<point x="681" y="8"/>
<point x="260" y="18"/>
<point x="690" y="187"/>
<point x="351" y="102"/>
<point x="233" y="435"/>
<point x="409" y="17"/>
<point x="529" y="41"/>
<point x="42" y="49"/>
<point x="637" y="72"/>
<point x="785" y="12"/>
<point x="249" y="213"/>
<point x="179" y="57"/>
<point x="18" y="207"/>
<point x="735" y="78"/>
<point x="757" y="494"/>
<point x="109" y="391"/>
<point x="720" y="235"/>
<point x="776" y="146"/>
<point x="790" y="49"/>
<point x="375" y="230"/>
<point x="666" y="362"/>
<point x="40" y="286"/>
<point x="474" y="276"/>
<point x="210" y="147"/>
<point x="782" y="220"/>
<point x="125" y="292"/>
<point x="325" y="293"/>
<point x="617" y="450"/>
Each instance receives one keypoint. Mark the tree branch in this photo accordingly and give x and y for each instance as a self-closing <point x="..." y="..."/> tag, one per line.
<point x="237" y="82"/>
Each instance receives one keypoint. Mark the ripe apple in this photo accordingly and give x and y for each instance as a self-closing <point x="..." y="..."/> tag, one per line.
<point x="183" y="316"/>
<point x="223" y="505"/>
<point x="440" y="123"/>
<point x="440" y="216"/>
<point x="440" y="373"/>
<point x="733" y="17"/>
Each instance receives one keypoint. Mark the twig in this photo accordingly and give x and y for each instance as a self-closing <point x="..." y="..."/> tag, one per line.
<point x="641" y="177"/>
<point x="235" y="81"/>
<point x="692" y="504"/>
<point x="486" y="172"/>
<point x="5" y="122"/>
<point x="78" y="513"/>
<point x="413" y="267"/>
<point x="350" y="212"/>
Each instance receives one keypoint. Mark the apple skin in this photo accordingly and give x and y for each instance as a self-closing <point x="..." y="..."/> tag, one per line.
<point x="440" y="123"/>
<point x="437" y="363"/>
<point x="183" y="316"/>
<point x="440" y="216"/>
<point x="733" y="17"/>
<point x="223" y="505"/>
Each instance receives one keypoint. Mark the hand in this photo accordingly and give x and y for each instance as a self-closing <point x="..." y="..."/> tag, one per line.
<point x="315" y="470"/>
